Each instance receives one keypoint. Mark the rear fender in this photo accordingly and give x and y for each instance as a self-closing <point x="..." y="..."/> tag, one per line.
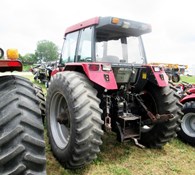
<point x="55" y="71"/>
<point x="190" y="97"/>
<point x="95" y="72"/>
<point x="157" y="75"/>
<point x="192" y="90"/>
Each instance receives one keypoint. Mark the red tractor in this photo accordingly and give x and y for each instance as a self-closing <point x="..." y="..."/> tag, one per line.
<point x="187" y="132"/>
<point x="22" y="146"/>
<point x="103" y="83"/>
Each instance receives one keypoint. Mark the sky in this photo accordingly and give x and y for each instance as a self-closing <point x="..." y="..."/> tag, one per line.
<point x="172" y="40"/>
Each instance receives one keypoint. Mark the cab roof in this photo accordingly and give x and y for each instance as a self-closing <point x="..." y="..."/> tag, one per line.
<point x="127" y="27"/>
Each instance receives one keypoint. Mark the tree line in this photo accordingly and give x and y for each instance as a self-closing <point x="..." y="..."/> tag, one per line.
<point x="45" y="51"/>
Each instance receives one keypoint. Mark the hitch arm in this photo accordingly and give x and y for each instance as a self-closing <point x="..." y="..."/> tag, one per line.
<point x="155" y="119"/>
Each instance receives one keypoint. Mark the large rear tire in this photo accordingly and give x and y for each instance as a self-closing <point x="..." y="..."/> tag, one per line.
<point x="161" y="100"/>
<point x="40" y="95"/>
<point x="73" y="117"/>
<point x="187" y="132"/>
<point x="22" y="146"/>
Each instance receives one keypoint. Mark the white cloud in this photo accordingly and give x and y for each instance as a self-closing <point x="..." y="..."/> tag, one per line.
<point x="24" y="22"/>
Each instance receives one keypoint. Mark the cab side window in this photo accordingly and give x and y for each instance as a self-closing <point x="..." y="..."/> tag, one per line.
<point x="69" y="47"/>
<point x="84" y="49"/>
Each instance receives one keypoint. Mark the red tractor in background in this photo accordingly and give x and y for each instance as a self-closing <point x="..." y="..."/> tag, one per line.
<point x="22" y="146"/>
<point x="102" y="84"/>
<point x="187" y="93"/>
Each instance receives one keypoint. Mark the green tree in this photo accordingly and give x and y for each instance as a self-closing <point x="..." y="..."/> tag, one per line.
<point x="28" y="58"/>
<point x="46" y="51"/>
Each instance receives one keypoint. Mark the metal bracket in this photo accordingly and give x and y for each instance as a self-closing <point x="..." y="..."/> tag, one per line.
<point x="107" y="123"/>
<point x="158" y="118"/>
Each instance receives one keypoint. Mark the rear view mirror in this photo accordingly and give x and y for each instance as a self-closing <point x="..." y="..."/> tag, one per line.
<point x="1" y="53"/>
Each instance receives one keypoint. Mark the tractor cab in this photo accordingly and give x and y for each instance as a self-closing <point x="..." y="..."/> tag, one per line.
<point x="105" y="44"/>
<point x="105" y="39"/>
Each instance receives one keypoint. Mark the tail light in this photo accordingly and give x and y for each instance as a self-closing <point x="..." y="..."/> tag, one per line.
<point x="94" y="67"/>
<point x="14" y="64"/>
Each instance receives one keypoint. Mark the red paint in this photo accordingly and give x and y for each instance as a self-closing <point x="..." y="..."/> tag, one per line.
<point x="190" y="97"/>
<point x="55" y="71"/>
<point x="192" y="90"/>
<point x="10" y="63"/>
<point x="97" y="76"/>
<point x="14" y="64"/>
<point x="82" y="25"/>
<point x="162" y="82"/>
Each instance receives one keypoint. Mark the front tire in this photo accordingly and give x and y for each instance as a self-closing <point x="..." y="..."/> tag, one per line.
<point x="175" y="78"/>
<point x="73" y="119"/>
<point x="22" y="146"/>
<point x="161" y="100"/>
<point x="187" y="132"/>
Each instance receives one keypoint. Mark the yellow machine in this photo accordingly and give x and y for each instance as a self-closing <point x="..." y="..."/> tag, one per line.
<point x="175" y="67"/>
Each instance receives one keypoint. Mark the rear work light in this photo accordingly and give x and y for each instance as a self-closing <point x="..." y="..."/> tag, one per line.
<point x="106" y="67"/>
<point x="126" y="24"/>
<point x="156" y="69"/>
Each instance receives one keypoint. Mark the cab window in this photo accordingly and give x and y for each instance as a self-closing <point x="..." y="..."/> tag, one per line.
<point x="84" y="48"/>
<point x="69" y="47"/>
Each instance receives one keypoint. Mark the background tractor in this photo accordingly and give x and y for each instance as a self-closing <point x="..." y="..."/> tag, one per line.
<point x="22" y="146"/>
<point x="187" y="93"/>
<point x="103" y="84"/>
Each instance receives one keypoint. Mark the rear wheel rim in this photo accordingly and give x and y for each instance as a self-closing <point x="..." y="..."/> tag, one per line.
<point x="188" y="124"/>
<point x="60" y="132"/>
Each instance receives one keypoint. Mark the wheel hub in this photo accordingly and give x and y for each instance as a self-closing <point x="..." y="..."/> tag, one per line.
<point x="62" y="118"/>
<point x="188" y="124"/>
<point x="59" y="120"/>
<point x="193" y="123"/>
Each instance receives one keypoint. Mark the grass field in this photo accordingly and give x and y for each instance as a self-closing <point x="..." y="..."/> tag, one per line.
<point x="176" y="158"/>
<point x="189" y="79"/>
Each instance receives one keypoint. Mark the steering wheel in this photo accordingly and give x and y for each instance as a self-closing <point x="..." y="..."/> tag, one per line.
<point x="87" y="59"/>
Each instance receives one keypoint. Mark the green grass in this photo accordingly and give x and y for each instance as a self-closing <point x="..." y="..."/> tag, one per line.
<point x="189" y="79"/>
<point x="115" y="158"/>
<point x="26" y="67"/>
<point x="176" y="158"/>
